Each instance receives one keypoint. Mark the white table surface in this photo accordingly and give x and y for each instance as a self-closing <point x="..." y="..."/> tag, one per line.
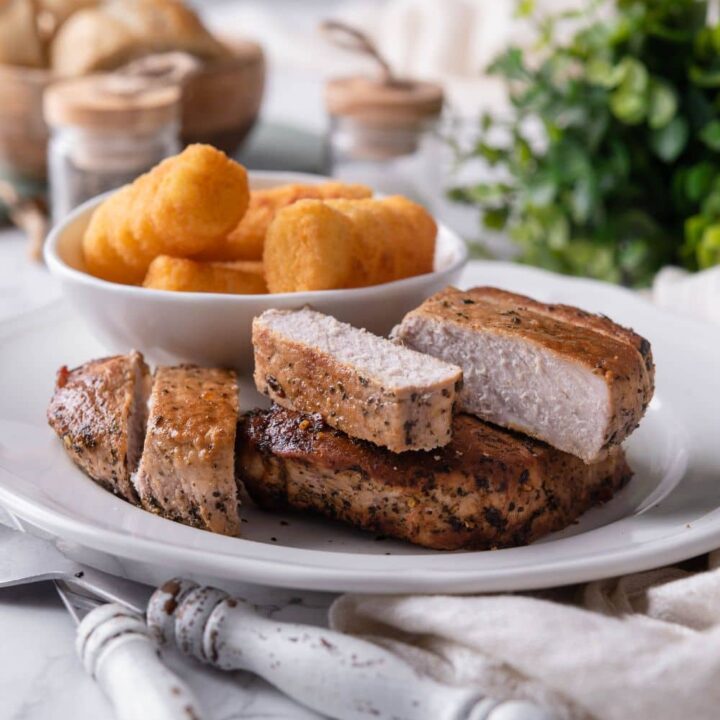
<point x="40" y="676"/>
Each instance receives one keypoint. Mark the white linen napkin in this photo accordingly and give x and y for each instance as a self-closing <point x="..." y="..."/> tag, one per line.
<point x="695" y="294"/>
<point x="645" y="646"/>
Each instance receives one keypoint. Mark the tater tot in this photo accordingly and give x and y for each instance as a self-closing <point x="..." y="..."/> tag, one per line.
<point x="185" y="205"/>
<point x="416" y="231"/>
<point x="376" y="263"/>
<point x="100" y="257"/>
<point x="246" y="241"/>
<point x="180" y="274"/>
<point x="309" y="246"/>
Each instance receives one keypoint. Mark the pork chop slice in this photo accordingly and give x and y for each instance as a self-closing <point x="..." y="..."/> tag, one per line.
<point x="360" y="383"/>
<point x="577" y="381"/>
<point x="186" y="470"/>
<point x="99" y="410"/>
<point x="488" y="488"/>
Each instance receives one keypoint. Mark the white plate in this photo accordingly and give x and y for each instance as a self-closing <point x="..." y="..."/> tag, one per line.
<point x="669" y="512"/>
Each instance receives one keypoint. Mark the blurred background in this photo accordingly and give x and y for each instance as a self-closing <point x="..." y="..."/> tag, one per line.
<point x="582" y="137"/>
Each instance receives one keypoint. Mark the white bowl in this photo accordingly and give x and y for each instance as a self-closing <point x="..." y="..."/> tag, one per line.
<point x="214" y="329"/>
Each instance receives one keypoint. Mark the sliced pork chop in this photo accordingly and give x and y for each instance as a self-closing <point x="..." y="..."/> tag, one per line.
<point x="186" y="471"/>
<point x="580" y="382"/>
<point x="99" y="410"/>
<point x="360" y="383"/>
<point x="488" y="488"/>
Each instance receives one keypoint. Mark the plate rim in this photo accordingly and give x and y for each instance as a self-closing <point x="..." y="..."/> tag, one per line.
<point x="314" y="576"/>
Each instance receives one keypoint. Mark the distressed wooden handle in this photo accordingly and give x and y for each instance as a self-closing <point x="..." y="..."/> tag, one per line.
<point x="337" y="675"/>
<point x="116" y="648"/>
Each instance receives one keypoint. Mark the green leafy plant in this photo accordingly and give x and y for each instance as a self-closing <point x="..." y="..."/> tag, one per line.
<point x="609" y="163"/>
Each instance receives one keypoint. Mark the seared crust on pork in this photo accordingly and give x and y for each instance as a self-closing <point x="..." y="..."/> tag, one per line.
<point x="488" y="488"/>
<point x="186" y="471"/>
<point x="361" y="384"/>
<point x="557" y="373"/>
<point x="99" y="411"/>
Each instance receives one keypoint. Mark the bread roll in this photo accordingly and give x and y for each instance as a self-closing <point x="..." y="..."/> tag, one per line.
<point x="106" y="37"/>
<point x="20" y="42"/>
<point x="53" y="13"/>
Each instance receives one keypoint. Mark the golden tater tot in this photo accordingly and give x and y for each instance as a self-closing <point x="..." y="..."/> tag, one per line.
<point x="246" y="241"/>
<point x="415" y="233"/>
<point x="185" y="205"/>
<point x="376" y="263"/>
<point x="309" y="246"/>
<point x="101" y="259"/>
<point x="170" y="273"/>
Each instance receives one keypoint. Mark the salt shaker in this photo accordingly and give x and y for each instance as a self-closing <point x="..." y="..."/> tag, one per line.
<point x="381" y="128"/>
<point x="379" y="132"/>
<point x="105" y="131"/>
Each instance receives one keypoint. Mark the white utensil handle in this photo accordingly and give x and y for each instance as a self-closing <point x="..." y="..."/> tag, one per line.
<point x="338" y="675"/>
<point x="116" y="648"/>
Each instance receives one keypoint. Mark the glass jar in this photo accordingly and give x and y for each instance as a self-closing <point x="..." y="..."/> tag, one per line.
<point x="380" y="132"/>
<point x="104" y="133"/>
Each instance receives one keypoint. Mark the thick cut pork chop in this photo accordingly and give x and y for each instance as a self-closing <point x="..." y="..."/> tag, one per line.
<point x="99" y="411"/>
<point x="186" y="471"/>
<point x="488" y="488"/>
<point x="580" y="382"/>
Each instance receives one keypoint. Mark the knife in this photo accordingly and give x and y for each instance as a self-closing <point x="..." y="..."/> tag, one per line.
<point x="338" y="675"/>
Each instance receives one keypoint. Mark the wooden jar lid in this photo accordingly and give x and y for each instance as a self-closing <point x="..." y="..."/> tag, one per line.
<point x="111" y="102"/>
<point x="399" y="103"/>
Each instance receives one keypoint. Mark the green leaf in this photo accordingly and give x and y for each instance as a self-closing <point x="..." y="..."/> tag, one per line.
<point x="558" y="232"/>
<point x="668" y="142"/>
<point x="629" y="102"/>
<point x="602" y="72"/>
<point x="699" y="180"/>
<point x="628" y="107"/>
<point x="708" y="251"/>
<point x="707" y="78"/>
<point x="710" y="206"/>
<point x="582" y="200"/>
<point x="710" y="135"/>
<point x="694" y="228"/>
<point x="663" y="104"/>
<point x="495" y="219"/>
<point x="540" y="190"/>
<point x="525" y="8"/>
<point x="633" y="75"/>
<point x="482" y="194"/>
<point x="510" y="65"/>
<point x="492" y="155"/>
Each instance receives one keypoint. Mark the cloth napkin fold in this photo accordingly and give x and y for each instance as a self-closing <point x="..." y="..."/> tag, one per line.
<point x="696" y="294"/>
<point x="644" y="646"/>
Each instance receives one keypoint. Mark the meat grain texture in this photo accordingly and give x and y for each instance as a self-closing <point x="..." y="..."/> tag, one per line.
<point x="488" y="488"/>
<point x="577" y="381"/>
<point x="99" y="411"/>
<point x="186" y="471"/>
<point x="360" y="383"/>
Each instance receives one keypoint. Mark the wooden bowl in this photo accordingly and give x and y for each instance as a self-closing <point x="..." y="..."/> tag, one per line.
<point x="220" y="105"/>
<point x="222" y="101"/>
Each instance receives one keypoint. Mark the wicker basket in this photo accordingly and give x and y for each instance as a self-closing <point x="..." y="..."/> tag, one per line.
<point x="220" y="105"/>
